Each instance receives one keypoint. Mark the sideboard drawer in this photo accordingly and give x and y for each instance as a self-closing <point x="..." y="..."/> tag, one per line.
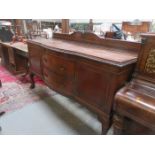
<point x="58" y="82"/>
<point x="59" y="65"/>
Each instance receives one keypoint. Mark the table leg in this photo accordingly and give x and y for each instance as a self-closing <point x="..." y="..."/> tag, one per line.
<point x="105" y="125"/>
<point x="118" y="124"/>
<point x="32" y="80"/>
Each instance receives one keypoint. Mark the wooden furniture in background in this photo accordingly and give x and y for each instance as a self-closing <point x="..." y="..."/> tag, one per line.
<point x="18" y="23"/>
<point x="135" y="103"/>
<point x="134" y="29"/>
<point x="85" y="67"/>
<point x="90" y="26"/>
<point x="65" y="25"/>
<point x="14" y="56"/>
<point x="109" y="34"/>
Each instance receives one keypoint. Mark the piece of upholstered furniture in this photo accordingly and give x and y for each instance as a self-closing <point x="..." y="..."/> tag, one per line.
<point x="135" y="103"/>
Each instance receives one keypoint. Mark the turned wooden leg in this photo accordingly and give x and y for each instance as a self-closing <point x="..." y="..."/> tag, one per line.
<point x="118" y="122"/>
<point x="105" y="125"/>
<point x="32" y="81"/>
<point x="27" y="70"/>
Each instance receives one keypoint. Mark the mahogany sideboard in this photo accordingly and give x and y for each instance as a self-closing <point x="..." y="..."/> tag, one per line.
<point x="85" y="67"/>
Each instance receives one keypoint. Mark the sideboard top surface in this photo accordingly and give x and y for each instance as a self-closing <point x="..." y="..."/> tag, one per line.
<point x="97" y="52"/>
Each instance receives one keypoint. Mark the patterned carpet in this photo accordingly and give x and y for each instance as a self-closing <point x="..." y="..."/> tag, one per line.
<point x="15" y="92"/>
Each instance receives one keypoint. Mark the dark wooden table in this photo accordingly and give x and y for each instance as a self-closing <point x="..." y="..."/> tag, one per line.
<point x="14" y="56"/>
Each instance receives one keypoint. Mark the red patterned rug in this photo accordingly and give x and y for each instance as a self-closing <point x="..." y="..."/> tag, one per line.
<point x="15" y="92"/>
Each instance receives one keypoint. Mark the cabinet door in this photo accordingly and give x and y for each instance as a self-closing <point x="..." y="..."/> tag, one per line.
<point x="35" y="55"/>
<point x="91" y="84"/>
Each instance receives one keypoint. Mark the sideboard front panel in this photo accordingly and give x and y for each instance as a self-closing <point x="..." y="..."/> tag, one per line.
<point x="35" y="54"/>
